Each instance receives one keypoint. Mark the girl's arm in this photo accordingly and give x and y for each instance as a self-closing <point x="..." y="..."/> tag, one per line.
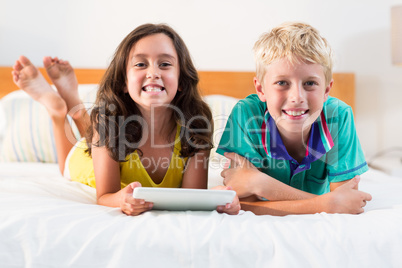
<point x="108" y="187"/>
<point x="196" y="171"/>
<point x="196" y="176"/>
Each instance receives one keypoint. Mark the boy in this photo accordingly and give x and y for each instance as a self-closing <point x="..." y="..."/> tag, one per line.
<point x="291" y="143"/>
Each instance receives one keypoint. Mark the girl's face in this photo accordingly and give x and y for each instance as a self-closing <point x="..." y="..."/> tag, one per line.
<point x="294" y="93"/>
<point x="153" y="72"/>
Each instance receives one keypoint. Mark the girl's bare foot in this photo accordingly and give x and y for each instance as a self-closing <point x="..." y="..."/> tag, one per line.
<point x="28" y="78"/>
<point x="63" y="77"/>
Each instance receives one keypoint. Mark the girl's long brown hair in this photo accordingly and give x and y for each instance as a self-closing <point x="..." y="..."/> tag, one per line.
<point x="115" y="115"/>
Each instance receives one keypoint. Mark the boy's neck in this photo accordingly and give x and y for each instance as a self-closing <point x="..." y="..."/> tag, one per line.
<point x="295" y="143"/>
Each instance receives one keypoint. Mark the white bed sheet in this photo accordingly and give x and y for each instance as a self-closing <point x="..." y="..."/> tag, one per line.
<point x="48" y="221"/>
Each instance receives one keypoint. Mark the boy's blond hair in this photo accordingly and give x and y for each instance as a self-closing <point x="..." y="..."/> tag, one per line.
<point x="296" y="42"/>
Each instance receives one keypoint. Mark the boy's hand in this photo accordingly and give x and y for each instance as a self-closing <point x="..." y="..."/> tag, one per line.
<point x="240" y="176"/>
<point x="131" y="206"/>
<point x="232" y="208"/>
<point x="346" y="199"/>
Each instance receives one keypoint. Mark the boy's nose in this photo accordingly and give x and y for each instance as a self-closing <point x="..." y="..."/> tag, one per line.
<point x="296" y="94"/>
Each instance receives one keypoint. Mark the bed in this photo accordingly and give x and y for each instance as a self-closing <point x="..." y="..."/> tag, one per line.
<point x="48" y="221"/>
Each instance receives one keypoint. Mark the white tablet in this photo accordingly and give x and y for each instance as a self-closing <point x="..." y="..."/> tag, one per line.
<point x="184" y="199"/>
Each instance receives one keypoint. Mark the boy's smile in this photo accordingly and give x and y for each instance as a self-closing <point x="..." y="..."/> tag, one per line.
<point x="294" y="93"/>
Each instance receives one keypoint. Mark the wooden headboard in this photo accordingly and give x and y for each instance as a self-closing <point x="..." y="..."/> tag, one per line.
<point x="235" y="84"/>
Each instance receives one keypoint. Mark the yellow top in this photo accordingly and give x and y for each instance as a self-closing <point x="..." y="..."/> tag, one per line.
<point x="79" y="167"/>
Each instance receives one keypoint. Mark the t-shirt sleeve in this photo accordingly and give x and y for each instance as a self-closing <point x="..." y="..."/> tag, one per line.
<point x="242" y="132"/>
<point x="346" y="158"/>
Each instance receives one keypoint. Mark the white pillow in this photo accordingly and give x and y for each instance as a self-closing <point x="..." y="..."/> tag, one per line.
<point x="221" y="107"/>
<point x="28" y="133"/>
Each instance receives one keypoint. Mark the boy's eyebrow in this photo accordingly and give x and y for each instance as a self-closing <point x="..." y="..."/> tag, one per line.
<point x="314" y="77"/>
<point x="309" y="77"/>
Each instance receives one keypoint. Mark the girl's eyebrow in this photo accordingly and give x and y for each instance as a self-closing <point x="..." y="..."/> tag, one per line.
<point x="162" y="55"/>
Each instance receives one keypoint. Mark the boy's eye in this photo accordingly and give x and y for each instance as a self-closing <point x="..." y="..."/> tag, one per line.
<point x="281" y="83"/>
<point x="310" y="83"/>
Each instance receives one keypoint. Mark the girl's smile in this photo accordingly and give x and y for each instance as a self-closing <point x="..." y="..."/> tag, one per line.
<point x="153" y="89"/>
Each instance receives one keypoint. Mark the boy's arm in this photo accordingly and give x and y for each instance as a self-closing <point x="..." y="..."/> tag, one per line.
<point x="344" y="199"/>
<point x="284" y="199"/>
<point x="247" y="181"/>
<point x="282" y="208"/>
<point x="334" y="185"/>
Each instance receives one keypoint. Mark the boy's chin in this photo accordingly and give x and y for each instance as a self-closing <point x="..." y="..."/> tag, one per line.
<point x="294" y="128"/>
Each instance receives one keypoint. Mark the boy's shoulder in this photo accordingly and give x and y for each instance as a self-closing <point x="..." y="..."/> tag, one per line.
<point x="335" y="103"/>
<point x="251" y="104"/>
<point x="337" y="115"/>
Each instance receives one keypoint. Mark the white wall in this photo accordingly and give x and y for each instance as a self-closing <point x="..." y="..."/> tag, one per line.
<point x="220" y="35"/>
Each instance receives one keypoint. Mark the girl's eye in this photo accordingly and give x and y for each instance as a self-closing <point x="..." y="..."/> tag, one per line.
<point x="165" y="64"/>
<point x="140" y="64"/>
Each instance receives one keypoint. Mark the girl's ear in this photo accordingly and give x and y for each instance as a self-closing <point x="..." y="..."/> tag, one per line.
<point x="259" y="89"/>
<point x="125" y="90"/>
<point x="328" y="89"/>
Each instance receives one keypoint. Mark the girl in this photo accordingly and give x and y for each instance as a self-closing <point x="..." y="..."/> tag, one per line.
<point x="149" y="126"/>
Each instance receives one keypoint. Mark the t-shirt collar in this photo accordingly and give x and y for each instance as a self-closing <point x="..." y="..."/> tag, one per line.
<point x="319" y="142"/>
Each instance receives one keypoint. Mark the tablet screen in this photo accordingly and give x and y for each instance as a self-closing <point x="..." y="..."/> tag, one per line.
<point x="184" y="199"/>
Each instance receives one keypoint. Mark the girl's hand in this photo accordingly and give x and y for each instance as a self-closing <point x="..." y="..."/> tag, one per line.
<point x="131" y="206"/>
<point x="346" y="199"/>
<point x="232" y="208"/>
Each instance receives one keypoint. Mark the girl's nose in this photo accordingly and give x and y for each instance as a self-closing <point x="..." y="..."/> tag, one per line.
<point x="153" y="73"/>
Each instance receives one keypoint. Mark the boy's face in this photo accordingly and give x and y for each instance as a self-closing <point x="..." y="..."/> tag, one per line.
<point x="294" y="93"/>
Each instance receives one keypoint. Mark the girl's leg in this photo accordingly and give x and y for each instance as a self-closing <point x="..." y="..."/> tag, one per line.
<point x="63" y="77"/>
<point x="28" y="78"/>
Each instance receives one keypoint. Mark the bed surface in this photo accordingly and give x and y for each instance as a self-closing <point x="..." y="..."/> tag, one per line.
<point x="47" y="219"/>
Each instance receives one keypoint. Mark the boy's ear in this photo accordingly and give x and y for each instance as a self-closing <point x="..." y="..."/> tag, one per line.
<point x="259" y="90"/>
<point x="328" y="89"/>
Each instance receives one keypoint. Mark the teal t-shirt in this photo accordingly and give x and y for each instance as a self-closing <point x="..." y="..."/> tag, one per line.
<point x="333" y="150"/>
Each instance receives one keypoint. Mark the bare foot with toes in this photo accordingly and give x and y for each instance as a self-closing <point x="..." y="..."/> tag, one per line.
<point x="28" y="78"/>
<point x="63" y="77"/>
